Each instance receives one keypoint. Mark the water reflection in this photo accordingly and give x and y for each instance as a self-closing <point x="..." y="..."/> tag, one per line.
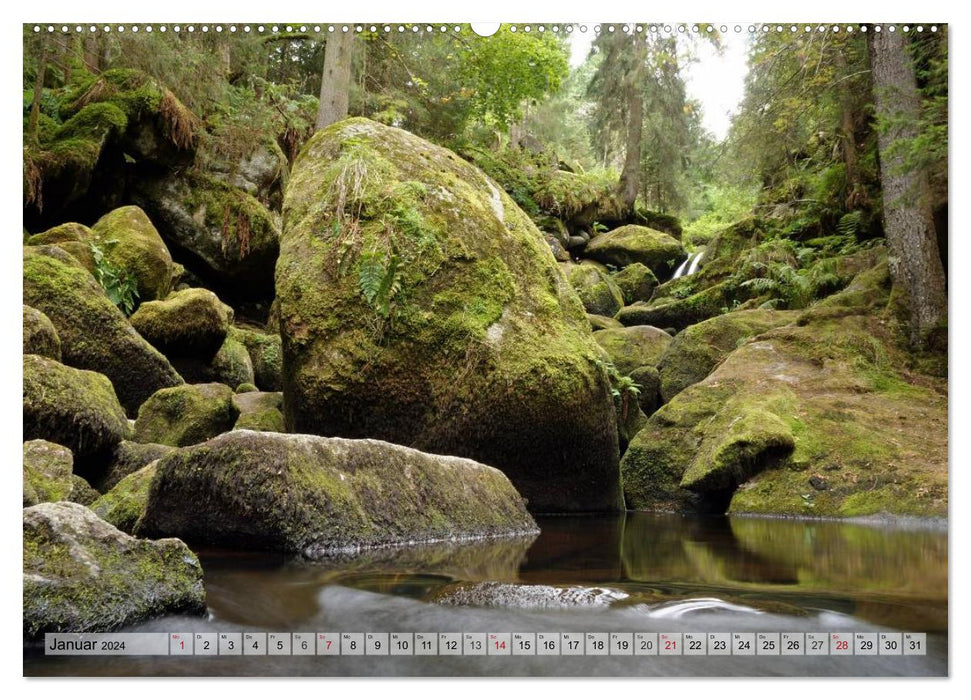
<point x="639" y="571"/>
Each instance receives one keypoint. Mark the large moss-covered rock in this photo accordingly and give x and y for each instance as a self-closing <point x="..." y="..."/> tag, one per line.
<point x="47" y="472"/>
<point x="72" y="407"/>
<point x="225" y="232"/>
<point x="467" y="340"/>
<point x="259" y="410"/>
<point x="131" y="243"/>
<point x="698" y="349"/>
<point x="631" y="244"/>
<point x="630" y="348"/>
<point x="187" y="322"/>
<point x="597" y="291"/>
<point x="83" y="575"/>
<point x="40" y="336"/>
<point x="127" y="457"/>
<point x="266" y="355"/>
<point x="600" y="323"/>
<point x="813" y="419"/>
<point x="636" y="282"/>
<point x="186" y="415"/>
<point x="124" y="505"/>
<point x="318" y="496"/>
<point x="649" y="380"/>
<point x="94" y="334"/>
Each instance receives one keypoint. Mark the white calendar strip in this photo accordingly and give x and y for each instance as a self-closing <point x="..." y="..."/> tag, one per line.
<point x="488" y="644"/>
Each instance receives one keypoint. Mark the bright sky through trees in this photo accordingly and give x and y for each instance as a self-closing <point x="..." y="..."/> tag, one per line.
<point x="716" y="78"/>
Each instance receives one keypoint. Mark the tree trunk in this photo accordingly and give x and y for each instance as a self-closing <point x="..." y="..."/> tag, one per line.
<point x="38" y="91"/>
<point x="336" y="79"/>
<point x="848" y="137"/>
<point x="630" y="177"/>
<point x="915" y="262"/>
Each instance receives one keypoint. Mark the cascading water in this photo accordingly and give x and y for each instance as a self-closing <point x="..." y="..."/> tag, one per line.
<point x="689" y="266"/>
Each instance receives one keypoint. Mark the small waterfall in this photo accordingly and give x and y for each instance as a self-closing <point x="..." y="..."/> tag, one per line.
<point x="694" y="262"/>
<point x="689" y="266"/>
<point x="680" y="270"/>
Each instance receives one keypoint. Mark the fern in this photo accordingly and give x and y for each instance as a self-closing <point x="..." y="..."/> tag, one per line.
<point x="379" y="280"/>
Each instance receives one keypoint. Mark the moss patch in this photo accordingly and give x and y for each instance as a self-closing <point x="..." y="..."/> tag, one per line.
<point x="47" y="472"/>
<point x="131" y="242"/>
<point x="40" y="336"/>
<point x="94" y="334"/>
<point x="187" y="322"/>
<point x="186" y="415"/>
<point x="631" y="244"/>
<point x="319" y="496"/>
<point x="82" y="575"/>
<point x="124" y="505"/>
<point x="698" y="349"/>
<point x="630" y="348"/>
<point x="74" y="408"/>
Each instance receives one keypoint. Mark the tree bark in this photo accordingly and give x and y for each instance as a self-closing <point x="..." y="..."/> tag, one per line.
<point x="630" y="177"/>
<point x="336" y="79"/>
<point x="915" y="262"/>
<point x="848" y="136"/>
<point x="38" y="90"/>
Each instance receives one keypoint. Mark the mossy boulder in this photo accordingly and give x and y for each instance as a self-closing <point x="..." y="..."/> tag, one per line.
<point x="71" y="237"/>
<point x="734" y="239"/>
<point x="597" y="291"/>
<point x="186" y="415"/>
<point x="266" y="355"/>
<point x="259" y="410"/>
<point x="630" y="348"/>
<point x="80" y="574"/>
<point x="131" y="243"/>
<point x="649" y="380"/>
<point x="246" y="388"/>
<point x="94" y="334"/>
<point x="624" y="246"/>
<point x="47" y="472"/>
<point x="698" y="349"/>
<point x="231" y="365"/>
<point x="681" y="313"/>
<point x="127" y="457"/>
<point x="189" y="322"/>
<point x="601" y="323"/>
<point x="318" y="496"/>
<point x="40" y="336"/>
<point x="636" y="283"/>
<point x="124" y="505"/>
<point x="72" y="407"/>
<point x="466" y="340"/>
<point x="819" y="419"/>
<point x="227" y="234"/>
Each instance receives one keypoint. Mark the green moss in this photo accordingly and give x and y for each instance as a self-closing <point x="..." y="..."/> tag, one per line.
<point x="630" y="348"/>
<point x="94" y="334"/>
<point x="598" y="293"/>
<point x="261" y="411"/>
<point x="698" y="349"/>
<point x="125" y="503"/>
<point x="186" y="415"/>
<point x="47" y="472"/>
<point x="602" y="323"/>
<point x="681" y="313"/>
<point x="319" y="496"/>
<point x="40" y="336"/>
<point x="131" y="243"/>
<point x="83" y="575"/>
<point x="72" y="407"/>
<point x="266" y="355"/>
<point x="637" y="244"/>
<point x="246" y="388"/>
<point x="636" y="282"/>
<point x="480" y="318"/>
<point x="188" y="322"/>
<point x="814" y="419"/>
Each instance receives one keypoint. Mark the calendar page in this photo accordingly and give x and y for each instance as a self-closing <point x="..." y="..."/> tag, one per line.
<point x="547" y="349"/>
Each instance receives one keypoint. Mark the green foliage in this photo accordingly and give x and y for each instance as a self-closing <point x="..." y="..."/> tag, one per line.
<point x="379" y="279"/>
<point x="623" y="388"/>
<point x="120" y="285"/>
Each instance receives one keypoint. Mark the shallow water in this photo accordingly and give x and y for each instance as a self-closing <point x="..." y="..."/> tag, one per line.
<point x="642" y="572"/>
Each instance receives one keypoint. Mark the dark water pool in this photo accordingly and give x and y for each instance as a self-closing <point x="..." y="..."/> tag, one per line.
<point x="642" y="572"/>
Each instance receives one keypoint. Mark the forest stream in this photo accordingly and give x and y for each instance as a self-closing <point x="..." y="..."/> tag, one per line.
<point x="642" y="572"/>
